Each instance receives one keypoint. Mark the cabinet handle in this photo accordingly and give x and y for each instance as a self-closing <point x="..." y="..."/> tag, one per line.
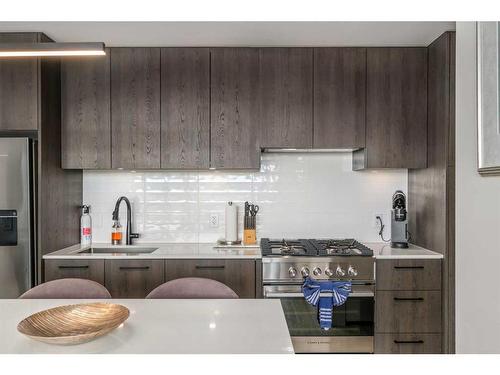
<point x="134" y="268"/>
<point x="408" y="267"/>
<point x="210" y="267"/>
<point x="408" y="298"/>
<point x="73" y="267"/>
<point x="408" y="341"/>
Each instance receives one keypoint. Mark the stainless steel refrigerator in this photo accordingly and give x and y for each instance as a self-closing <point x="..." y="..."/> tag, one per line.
<point x="17" y="216"/>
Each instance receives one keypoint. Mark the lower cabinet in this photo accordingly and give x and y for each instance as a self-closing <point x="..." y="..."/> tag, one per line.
<point x="91" y="269"/>
<point x="237" y="274"/>
<point x="408" y="343"/>
<point x="133" y="278"/>
<point x="408" y="306"/>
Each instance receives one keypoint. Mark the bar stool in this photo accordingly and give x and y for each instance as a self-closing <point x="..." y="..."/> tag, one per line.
<point x="67" y="289"/>
<point x="192" y="288"/>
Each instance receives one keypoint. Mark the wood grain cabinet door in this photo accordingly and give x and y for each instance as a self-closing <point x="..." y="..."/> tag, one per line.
<point x="396" y="109"/>
<point x="339" y="97"/>
<point x="19" y="87"/>
<point x="234" y="108"/>
<point x="90" y="269"/>
<point x="135" y="108"/>
<point x="409" y="274"/>
<point x="185" y="108"/>
<point x="239" y="275"/>
<point x="285" y="97"/>
<point x="86" y="112"/>
<point x="408" y="343"/>
<point x="133" y="278"/>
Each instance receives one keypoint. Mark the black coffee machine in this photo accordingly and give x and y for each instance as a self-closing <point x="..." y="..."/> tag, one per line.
<point x="399" y="221"/>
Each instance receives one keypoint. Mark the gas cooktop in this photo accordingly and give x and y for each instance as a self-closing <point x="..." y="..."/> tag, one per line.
<point x="313" y="247"/>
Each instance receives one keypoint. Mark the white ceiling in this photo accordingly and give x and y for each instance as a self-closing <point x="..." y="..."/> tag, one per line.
<point x="239" y="33"/>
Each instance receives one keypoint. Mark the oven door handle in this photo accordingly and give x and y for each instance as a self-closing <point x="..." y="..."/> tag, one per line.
<point x="268" y="294"/>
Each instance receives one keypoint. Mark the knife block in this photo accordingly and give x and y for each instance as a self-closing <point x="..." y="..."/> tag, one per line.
<point x="249" y="236"/>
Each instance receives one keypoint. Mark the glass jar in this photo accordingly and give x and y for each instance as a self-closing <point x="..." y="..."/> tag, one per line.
<point x="116" y="233"/>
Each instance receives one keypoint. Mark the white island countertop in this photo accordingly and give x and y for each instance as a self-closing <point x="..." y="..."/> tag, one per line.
<point x="163" y="251"/>
<point x="231" y="326"/>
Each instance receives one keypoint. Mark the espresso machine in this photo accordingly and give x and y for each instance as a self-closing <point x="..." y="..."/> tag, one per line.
<point x="399" y="221"/>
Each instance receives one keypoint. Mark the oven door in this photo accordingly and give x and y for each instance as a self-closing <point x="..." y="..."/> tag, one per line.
<point x="352" y="323"/>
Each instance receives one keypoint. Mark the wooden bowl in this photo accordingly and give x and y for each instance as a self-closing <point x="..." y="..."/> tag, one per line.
<point x="73" y="324"/>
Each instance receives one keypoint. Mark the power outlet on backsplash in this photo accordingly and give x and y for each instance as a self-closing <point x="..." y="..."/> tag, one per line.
<point x="214" y="220"/>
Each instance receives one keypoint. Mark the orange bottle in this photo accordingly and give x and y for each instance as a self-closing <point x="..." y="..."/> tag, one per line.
<point x="116" y="233"/>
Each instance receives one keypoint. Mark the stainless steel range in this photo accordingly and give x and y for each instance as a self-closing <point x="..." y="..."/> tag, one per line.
<point x="285" y="264"/>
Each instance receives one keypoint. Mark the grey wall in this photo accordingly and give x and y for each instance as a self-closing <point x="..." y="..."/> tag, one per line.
<point x="477" y="217"/>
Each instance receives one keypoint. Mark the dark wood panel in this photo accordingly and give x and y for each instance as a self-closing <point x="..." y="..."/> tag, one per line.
<point x="258" y="279"/>
<point x="135" y="108"/>
<point x="19" y="85"/>
<point x="431" y="190"/>
<point x="396" y="108"/>
<point x="90" y="269"/>
<point x="234" y="105"/>
<point x="133" y="278"/>
<point x="339" y="97"/>
<point x="408" y="312"/>
<point x="416" y="343"/>
<point x="408" y="274"/>
<point x="59" y="190"/>
<point x="86" y="112"/>
<point x="185" y="108"/>
<point x="239" y="275"/>
<point x="285" y="97"/>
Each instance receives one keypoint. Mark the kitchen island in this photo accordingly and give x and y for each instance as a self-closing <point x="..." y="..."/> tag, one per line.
<point x="235" y="326"/>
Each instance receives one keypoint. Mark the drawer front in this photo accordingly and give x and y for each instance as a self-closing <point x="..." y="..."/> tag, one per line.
<point x="133" y="278"/>
<point x="239" y="275"/>
<point x="79" y="269"/>
<point x="417" y="343"/>
<point x="408" y="312"/>
<point x="408" y="274"/>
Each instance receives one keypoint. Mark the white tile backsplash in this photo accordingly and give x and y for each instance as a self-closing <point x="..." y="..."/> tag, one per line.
<point x="307" y="195"/>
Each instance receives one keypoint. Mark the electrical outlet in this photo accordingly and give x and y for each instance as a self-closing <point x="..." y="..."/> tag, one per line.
<point x="214" y="220"/>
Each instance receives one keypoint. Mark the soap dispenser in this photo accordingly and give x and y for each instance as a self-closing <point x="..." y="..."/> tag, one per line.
<point x="116" y="233"/>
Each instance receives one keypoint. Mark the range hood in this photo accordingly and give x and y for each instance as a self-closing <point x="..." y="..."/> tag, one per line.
<point x="306" y="150"/>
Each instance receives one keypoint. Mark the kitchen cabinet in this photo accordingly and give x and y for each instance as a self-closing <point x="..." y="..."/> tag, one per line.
<point x="86" y="112"/>
<point x="185" y="108"/>
<point x="339" y="97"/>
<point x="91" y="269"/>
<point x="408" y="306"/>
<point x="239" y="275"/>
<point x="135" y="108"/>
<point x="285" y="97"/>
<point x="396" y="109"/>
<point x="234" y="108"/>
<point x="133" y="278"/>
<point x="408" y="343"/>
<point x="19" y="86"/>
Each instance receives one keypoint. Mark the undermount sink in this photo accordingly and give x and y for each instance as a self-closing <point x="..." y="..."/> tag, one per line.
<point x="120" y="250"/>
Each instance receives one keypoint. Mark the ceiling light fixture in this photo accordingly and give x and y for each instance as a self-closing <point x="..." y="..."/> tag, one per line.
<point x="51" y="49"/>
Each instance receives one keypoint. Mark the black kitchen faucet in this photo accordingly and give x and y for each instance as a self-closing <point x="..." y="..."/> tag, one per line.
<point x="129" y="234"/>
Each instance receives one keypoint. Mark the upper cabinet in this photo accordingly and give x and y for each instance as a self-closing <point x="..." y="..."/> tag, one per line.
<point x="285" y="101"/>
<point x="86" y="131"/>
<point x="19" y="86"/>
<point x="135" y="108"/>
<point x="234" y="108"/>
<point x="396" y="109"/>
<point x="339" y="97"/>
<point x="185" y="108"/>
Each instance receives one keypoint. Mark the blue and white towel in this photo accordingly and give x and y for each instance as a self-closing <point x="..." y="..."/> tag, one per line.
<point x="312" y="290"/>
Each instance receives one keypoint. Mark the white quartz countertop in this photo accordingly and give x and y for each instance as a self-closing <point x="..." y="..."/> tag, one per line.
<point x="383" y="250"/>
<point x="163" y="251"/>
<point x="232" y="326"/>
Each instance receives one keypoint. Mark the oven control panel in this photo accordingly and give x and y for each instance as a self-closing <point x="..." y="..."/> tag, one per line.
<point x="331" y="268"/>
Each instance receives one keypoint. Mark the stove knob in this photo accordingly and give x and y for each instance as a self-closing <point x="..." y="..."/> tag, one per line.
<point x="292" y="272"/>
<point x="317" y="271"/>
<point x="328" y="272"/>
<point x="352" y="271"/>
<point x="304" y="271"/>
<point x="339" y="271"/>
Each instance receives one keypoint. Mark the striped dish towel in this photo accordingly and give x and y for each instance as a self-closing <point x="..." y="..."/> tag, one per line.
<point x="312" y="290"/>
